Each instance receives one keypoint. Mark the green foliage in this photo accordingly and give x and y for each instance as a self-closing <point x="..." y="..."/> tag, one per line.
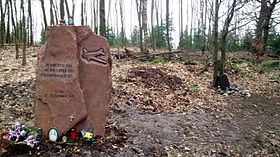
<point x="268" y="65"/>
<point x="158" y="60"/>
<point x="198" y="41"/>
<point x="20" y="32"/>
<point x="274" y="64"/>
<point x="114" y="39"/>
<point x="122" y="39"/>
<point x="111" y="37"/>
<point x="246" y="41"/>
<point x="135" y="37"/>
<point x="273" y="44"/>
<point x="233" y="43"/>
<point x="186" y="40"/>
<point x="42" y="40"/>
<point x="160" y="34"/>
<point x="194" y="88"/>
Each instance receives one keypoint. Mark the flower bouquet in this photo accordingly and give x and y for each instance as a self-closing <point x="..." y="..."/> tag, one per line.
<point x="21" y="137"/>
<point x="87" y="137"/>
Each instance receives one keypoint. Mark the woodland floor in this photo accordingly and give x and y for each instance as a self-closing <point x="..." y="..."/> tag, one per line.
<point x="163" y="107"/>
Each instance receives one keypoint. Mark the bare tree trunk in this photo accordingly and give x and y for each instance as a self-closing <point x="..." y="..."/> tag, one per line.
<point x="191" y="29"/>
<point x="109" y="12"/>
<point x="44" y="14"/>
<point x="91" y="12"/>
<point x="85" y="12"/>
<point x="73" y="8"/>
<point x="167" y="26"/>
<point x="15" y="29"/>
<point x="211" y="9"/>
<point x="262" y="28"/>
<point x="204" y="27"/>
<point x="216" y="44"/>
<point x="82" y="13"/>
<point x="122" y="33"/>
<point x="62" y="14"/>
<point x="145" y="26"/>
<point x="102" y="28"/>
<point x="56" y="13"/>
<point x="152" y="23"/>
<point x="8" y="37"/>
<point x="51" y="13"/>
<point x="139" y="12"/>
<point x="67" y="8"/>
<point x="31" y="22"/>
<point x="117" y="26"/>
<point x="225" y="32"/>
<point x="157" y="19"/>
<point x="24" y="35"/>
<point x="180" y="23"/>
<point x="95" y="17"/>
<point x="2" y="24"/>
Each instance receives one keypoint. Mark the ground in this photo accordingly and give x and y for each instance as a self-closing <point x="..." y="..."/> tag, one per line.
<point x="163" y="107"/>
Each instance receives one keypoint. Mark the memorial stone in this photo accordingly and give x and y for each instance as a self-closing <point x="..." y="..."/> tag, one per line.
<point x="73" y="80"/>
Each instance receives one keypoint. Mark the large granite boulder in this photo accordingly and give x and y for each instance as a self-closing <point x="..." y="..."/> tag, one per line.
<point x="73" y="80"/>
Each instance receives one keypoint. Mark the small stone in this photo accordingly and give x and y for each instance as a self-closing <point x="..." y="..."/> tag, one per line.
<point x="30" y="124"/>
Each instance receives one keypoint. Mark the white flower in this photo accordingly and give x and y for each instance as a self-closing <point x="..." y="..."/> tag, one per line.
<point x="30" y="141"/>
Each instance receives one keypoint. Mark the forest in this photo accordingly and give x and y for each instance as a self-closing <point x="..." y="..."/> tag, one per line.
<point x="169" y="60"/>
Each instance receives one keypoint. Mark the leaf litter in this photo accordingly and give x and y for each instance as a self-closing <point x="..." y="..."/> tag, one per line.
<point x="157" y="107"/>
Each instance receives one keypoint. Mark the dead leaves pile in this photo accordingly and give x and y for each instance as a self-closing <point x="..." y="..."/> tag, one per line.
<point x="169" y="87"/>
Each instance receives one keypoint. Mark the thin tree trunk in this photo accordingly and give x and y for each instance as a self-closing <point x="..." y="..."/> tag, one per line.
<point x="56" y="12"/>
<point x="157" y="19"/>
<point x="109" y="12"/>
<point x="102" y="27"/>
<point x="209" y="23"/>
<point x="82" y="13"/>
<point x="62" y="14"/>
<point x="31" y="22"/>
<point x="8" y="37"/>
<point x="44" y="14"/>
<point x="15" y="29"/>
<point x="224" y="36"/>
<point x="191" y="29"/>
<point x="145" y="26"/>
<point x="122" y="34"/>
<point x="152" y="23"/>
<point x="139" y="10"/>
<point x="167" y="26"/>
<point x="117" y="26"/>
<point x="73" y="8"/>
<point x="180" y="23"/>
<point x="2" y="24"/>
<point x="67" y="8"/>
<point x="85" y="12"/>
<point x="51" y="13"/>
<point x="216" y="45"/>
<point x="95" y="17"/>
<point x="91" y="12"/>
<point x="24" y="35"/>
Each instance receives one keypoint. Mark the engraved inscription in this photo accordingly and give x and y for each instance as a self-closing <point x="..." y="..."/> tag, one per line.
<point x="95" y="56"/>
<point x="59" y="94"/>
<point x="57" y="70"/>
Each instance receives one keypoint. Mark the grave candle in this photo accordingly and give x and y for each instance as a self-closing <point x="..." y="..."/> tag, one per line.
<point x="73" y="134"/>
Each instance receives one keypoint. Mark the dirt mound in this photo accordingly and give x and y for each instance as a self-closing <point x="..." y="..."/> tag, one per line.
<point x="154" y="77"/>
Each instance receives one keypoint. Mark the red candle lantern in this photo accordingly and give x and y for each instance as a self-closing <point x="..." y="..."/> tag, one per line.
<point x="73" y="134"/>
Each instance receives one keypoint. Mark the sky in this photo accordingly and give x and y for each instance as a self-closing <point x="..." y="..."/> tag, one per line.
<point x="130" y="14"/>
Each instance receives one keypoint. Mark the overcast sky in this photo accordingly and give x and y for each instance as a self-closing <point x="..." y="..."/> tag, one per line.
<point x="130" y="14"/>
